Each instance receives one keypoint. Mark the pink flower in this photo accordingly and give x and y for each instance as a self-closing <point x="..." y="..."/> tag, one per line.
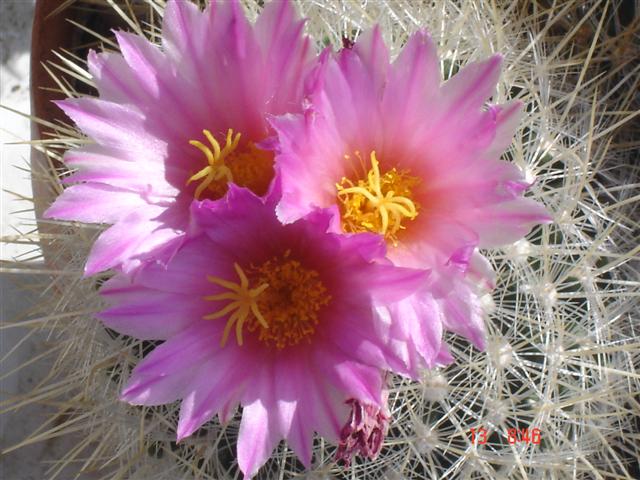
<point x="277" y="318"/>
<point x="416" y="160"/>
<point x="179" y="122"/>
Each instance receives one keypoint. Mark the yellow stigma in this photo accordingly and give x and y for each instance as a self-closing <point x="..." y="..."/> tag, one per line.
<point x="379" y="203"/>
<point x="247" y="166"/>
<point x="242" y="303"/>
<point x="282" y="310"/>
<point x="216" y="168"/>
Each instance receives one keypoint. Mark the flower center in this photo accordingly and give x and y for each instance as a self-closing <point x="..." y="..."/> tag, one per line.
<point x="378" y="203"/>
<point x="246" y="166"/>
<point x="282" y="309"/>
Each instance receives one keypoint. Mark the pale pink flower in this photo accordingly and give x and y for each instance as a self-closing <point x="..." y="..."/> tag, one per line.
<point x="277" y="318"/>
<point x="179" y="121"/>
<point x="401" y="153"/>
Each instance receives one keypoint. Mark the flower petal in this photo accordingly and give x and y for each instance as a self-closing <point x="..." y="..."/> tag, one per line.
<point x="163" y="86"/>
<point x="110" y="73"/>
<point x="94" y="203"/>
<point x="472" y="85"/>
<point x="355" y="379"/>
<point x="507" y="119"/>
<point x="150" y="314"/>
<point x="294" y="400"/>
<point x="480" y="269"/>
<point x="288" y="56"/>
<point x="164" y="375"/>
<point x="413" y="79"/>
<point x="258" y="434"/>
<point x="132" y="239"/>
<point x="388" y="283"/>
<point x="214" y="386"/>
<point x="373" y="53"/>
<point x="422" y="321"/>
<point x="301" y="149"/>
<point x="187" y="273"/>
<point x="117" y="126"/>
<point x="463" y="314"/>
<point x="97" y="164"/>
<point x="363" y="337"/>
<point x="506" y="222"/>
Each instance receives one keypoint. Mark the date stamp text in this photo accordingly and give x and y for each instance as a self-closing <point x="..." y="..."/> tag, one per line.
<point x="480" y="436"/>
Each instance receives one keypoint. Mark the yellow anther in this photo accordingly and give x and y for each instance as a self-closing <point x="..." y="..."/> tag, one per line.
<point x="292" y="303"/>
<point x="216" y="168"/>
<point x="282" y="311"/>
<point x="378" y="204"/>
<point x="243" y="304"/>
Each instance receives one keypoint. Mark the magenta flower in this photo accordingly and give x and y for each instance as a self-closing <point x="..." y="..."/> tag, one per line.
<point x="402" y="154"/>
<point x="277" y="318"/>
<point x="179" y="122"/>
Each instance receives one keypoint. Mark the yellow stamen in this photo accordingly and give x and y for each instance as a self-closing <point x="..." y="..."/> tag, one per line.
<point x="282" y="310"/>
<point x="292" y="302"/>
<point x="379" y="203"/>
<point x="243" y="304"/>
<point x="216" y="168"/>
<point x="247" y="166"/>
